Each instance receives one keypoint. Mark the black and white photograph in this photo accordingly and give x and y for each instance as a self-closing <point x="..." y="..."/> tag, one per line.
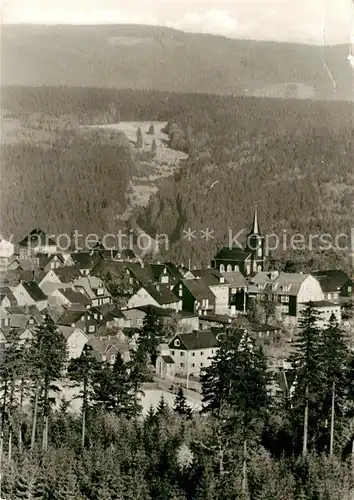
<point x="177" y="250"/>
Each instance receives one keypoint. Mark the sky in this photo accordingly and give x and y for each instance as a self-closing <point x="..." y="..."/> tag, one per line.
<point x="305" y="21"/>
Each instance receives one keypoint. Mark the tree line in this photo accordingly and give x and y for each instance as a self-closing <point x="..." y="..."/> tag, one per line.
<point x="251" y="440"/>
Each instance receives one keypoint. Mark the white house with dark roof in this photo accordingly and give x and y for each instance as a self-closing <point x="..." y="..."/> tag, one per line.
<point x="159" y="296"/>
<point x="76" y="340"/>
<point x="37" y="241"/>
<point x="288" y="290"/>
<point x="191" y="352"/>
<point x="325" y="309"/>
<point x="68" y="297"/>
<point x="28" y="293"/>
<point x="335" y="284"/>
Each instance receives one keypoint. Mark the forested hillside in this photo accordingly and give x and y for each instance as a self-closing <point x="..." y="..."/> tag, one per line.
<point x="78" y="181"/>
<point x="146" y="57"/>
<point x="294" y="158"/>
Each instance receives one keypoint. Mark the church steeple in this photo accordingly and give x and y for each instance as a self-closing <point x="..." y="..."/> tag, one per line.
<point x="255" y="226"/>
<point x="255" y="244"/>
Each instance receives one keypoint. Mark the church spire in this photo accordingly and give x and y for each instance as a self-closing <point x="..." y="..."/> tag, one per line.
<point x="255" y="227"/>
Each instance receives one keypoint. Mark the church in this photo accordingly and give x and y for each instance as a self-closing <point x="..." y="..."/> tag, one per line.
<point x="249" y="260"/>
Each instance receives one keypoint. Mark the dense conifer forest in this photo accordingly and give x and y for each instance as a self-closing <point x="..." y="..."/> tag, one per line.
<point x="254" y="438"/>
<point x="293" y="158"/>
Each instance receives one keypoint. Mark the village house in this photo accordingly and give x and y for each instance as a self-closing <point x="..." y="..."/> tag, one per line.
<point x="191" y="352"/>
<point x="183" y="320"/>
<point x="165" y="365"/>
<point x="28" y="293"/>
<point x="94" y="289"/>
<point x="160" y="296"/>
<point x="287" y="290"/>
<point x="83" y="320"/>
<point x="195" y="295"/>
<point x="7" y="250"/>
<point x="85" y="261"/>
<point x="237" y="290"/>
<point x="218" y="285"/>
<point x="106" y="349"/>
<point x="37" y="241"/>
<point x="75" y="340"/>
<point x="64" y="275"/>
<point x="335" y="284"/>
<point x="325" y="310"/>
<point x="52" y="261"/>
<point x="68" y="297"/>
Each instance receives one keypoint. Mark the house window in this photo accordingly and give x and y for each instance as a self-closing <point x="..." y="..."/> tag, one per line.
<point x="177" y="342"/>
<point x="193" y="365"/>
<point x="91" y="328"/>
<point x="349" y="289"/>
<point x="113" y="358"/>
<point x="236" y="268"/>
<point x="172" y="353"/>
<point x="139" y="322"/>
<point x="229" y="268"/>
<point x="181" y="365"/>
<point x="131" y="281"/>
<point x="193" y="353"/>
<point x="182" y="353"/>
<point x="201" y="364"/>
<point x="222" y="268"/>
<point x="74" y="344"/>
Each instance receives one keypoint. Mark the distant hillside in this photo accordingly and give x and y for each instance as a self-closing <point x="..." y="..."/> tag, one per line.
<point x="144" y="57"/>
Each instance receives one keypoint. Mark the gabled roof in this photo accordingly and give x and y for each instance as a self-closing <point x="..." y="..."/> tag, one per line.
<point x="321" y="304"/>
<point x="34" y="291"/>
<point x="162" y="296"/>
<point x="44" y="259"/>
<point x="332" y="280"/>
<point x="235" y="279"/>
<point x="198" y="289"/>
<point x="13" y="277"/>
<point x="102" y="345"/>
<point x="67" y="274"/>
<point x="5" y="291"/>
<point x="70" y="317"/>
<point x="67" y="331"/>
<point x="195" y="340"/>
<point x="75" y="297"/>
<point x="235" y="254"/>
<point x="25" y="264"/>
<point x="37" y="236"/>
<point x="282" y="283"/>
<point x="173" y="270"/>
<point x="19" y="320"/>
<point x="210" y="276"/>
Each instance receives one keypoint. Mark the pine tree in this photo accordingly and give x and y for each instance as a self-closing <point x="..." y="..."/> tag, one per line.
<point x="82" y="371"/>
<point x="153" y="148"/>
<point x="335" y="365"/>
<point x="139" y="139"/>
<point x="151" y="333"/>
<point x="308" y="372"/>
<point x="47" y="357"/>
<point x="113" y="390"/>
<point x="181" y="407"/>
<point x="151" y="130"/>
